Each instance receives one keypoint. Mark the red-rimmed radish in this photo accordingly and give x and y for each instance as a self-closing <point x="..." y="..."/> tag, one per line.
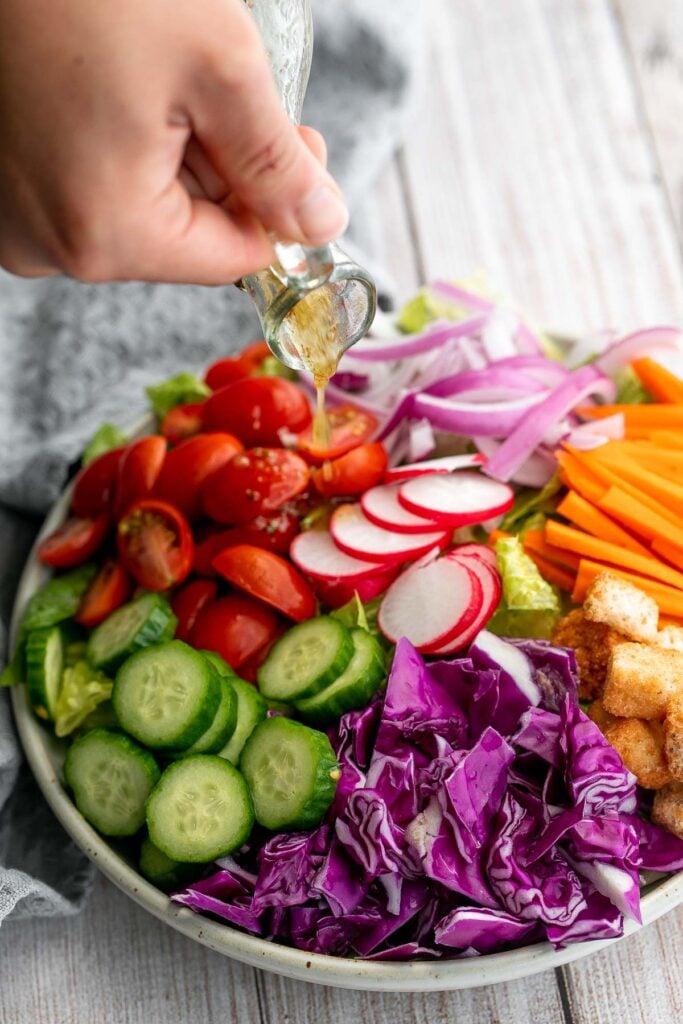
<point x="382" y="507"/>
<point x="447" y="464"/>
<point x="458" y="499"/>
<point x="481" y="551"/>
<point x="336" y="593"/>
<point x="315" y="554"/>
<point x="353" y="533"/>
<point x="428" y="604"/>
<point x="491" y="589"/>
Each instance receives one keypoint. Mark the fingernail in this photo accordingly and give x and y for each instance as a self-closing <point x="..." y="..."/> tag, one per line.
<point x="322" y="215"/>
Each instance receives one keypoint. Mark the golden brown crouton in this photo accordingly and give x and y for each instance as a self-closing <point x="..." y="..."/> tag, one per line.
<point x="618" y="603"/>
<point x="592" y="643"/>
<point x="673" y="736"/>
<point x="667" y="809"/>
<point x="640" y="746"/>
<point x="670" y="637"/>
<point x="602" y="718"/>
<point x="641" y="680"/>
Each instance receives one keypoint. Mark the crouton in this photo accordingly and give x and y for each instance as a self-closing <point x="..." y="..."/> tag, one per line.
<point x="667" y="809"/>
<point x="618" y="603"/>
<point x="592" y="643"/>
<point x="670" y="637"/>
<point x="641" y="680"/>
<point x="673" y="736"/>
<point x="602" y="718"/>
<point x="640" y="746"/>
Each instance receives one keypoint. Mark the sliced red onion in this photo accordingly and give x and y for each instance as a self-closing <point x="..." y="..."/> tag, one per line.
<point x="347" y="380"/>
<point x="499" y="333"/>
<point x="492" y="419"/>
<point x="432" y="337"/>
<point x="421" y="440"/>
<point x="538" y="469"/>
<point x="530" y="430"/>
<point x="473" y="353"/>
<point x="640" y="343"/>
<point x="454" y="293"/>
<point x="492" y="377"/>
<point x="612" y="428"/>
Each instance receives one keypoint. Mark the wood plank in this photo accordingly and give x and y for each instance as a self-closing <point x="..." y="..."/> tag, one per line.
<point x="116" y="964"/>
<point x="654" y="35"/>
<point x="396" y="251"/>
<point x="527" y="161"/>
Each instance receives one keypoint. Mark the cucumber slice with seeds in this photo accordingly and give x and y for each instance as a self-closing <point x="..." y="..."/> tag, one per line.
<point x="111" y="778"/>
<point x="292" y="774"/>
<point x="166" y="696"/>
<point x="222" y="727"/>
<point x="163" y="872"/>
<point x="363" y="677"/>
<point x="251" y="709"/>
<point x="147" y="620"/>
<point x="44" y="664"/>
<point x="305" y="660"/>
<point x="219" y="664"/>
<point x="201" y="809"/>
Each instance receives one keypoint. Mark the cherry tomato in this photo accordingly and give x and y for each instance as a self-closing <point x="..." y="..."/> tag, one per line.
<point x="256" y="409"/>
<point x="255" y="353"/>
<point x="252" y="484"/>
<point x="108" y="591"/>
<point x="226" y="371"/>
<point x="274" y="533"/>
<point x="188" y="602"/>
<point x="75" y="541"/>
<point x="349" y="427"/>
<point x="187" y="467"/>
<point x="138" y="471"/>
<point x="182" y="421"/>
<point x="155" y="544"/>
<point x="353" y="473"/>
<point x="234" y="626"/>
<point x="269" y="577"/>
<point x="250" y="667"/>
<point x="93" y="490"/>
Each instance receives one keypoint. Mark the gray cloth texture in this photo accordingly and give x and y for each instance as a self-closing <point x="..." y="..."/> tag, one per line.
<point x="74" y="355"/>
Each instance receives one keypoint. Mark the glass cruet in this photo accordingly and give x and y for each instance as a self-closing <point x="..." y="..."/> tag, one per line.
<point x="304" y="282"/>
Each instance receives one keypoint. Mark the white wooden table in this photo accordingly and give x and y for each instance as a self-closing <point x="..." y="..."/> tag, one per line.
<point x="546" y="150"/>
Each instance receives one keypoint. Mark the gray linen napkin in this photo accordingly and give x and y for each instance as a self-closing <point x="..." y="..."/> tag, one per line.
<point x="74" y="355"/>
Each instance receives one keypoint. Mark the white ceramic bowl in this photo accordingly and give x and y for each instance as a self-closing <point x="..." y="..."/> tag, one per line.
<point x="45" y="755"/>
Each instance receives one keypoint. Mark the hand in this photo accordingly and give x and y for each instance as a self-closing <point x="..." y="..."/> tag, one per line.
<point x="145" y="139"/>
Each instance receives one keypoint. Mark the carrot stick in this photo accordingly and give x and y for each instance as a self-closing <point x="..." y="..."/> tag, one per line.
<point x="497" y="535"/>
<point x="667" y="438"/>
<point x="562" y="578"/>
<point x="639" y="517"/>
<point x="580" y="478"/>
<point x="662" y="385"/>
<point x="591" y="519"/>
<point x="610" y="478"/>
<point x="669" y="600"/>
<point x="648" y="417"/>
<point x="536" y="542"/>
<point x="602" y="551"/>
<point x="671" y="552"/>
<point x="664" y="491"/>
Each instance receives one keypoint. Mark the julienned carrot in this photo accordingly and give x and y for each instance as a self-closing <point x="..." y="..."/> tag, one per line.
<point x="612" y="478"/>
<point x="562" y="578"/>
<point x="580" y="478"/>
<point x="671" y="552"/>
<point x="649" y="417"/>
<point x="669" y="600"/>
<point x="536" y="542"/>
<point x="595" y="522"/>
<point x="565" y="537"/>
<point x="639" y="517"/>
<point x="667" y="439"/>
<point x="662" y="489"/>
<point x="662" y="385"/>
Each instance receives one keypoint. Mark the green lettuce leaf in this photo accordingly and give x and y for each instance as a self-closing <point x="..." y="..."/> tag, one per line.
<point x="629" y="389"/>
<point x="184" y="387"/>
<point x="355" y="613"/>
<point x="13" y="671"/>
<point x="58" y="599"/>
<point x="105" y="438"/>
<point x="530" y="504"/>
<point x="83" y="689"/>
<point x="524" y="589"/>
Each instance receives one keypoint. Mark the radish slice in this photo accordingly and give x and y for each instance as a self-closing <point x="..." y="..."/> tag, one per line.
<point x="448" y="464"/>
<point x="455" y="500"/>
<point x="489" y="580"/>
<point x="382" y="507"/>
<point x="336" y="593"/>
<point x="481" y="551"/>
<point x="315" y="554"/>
<point x="429" y="603"/>
<point x="354" y="534"/>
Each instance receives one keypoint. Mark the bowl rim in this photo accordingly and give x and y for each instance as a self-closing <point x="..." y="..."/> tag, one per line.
<point x="387" y="976"/>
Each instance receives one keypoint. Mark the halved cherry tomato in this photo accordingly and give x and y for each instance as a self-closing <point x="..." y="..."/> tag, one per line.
<point x="188" y="602"/>
<point x="234" y="626"/>
<point x="256" y="409"/>
<point x="108" y="591"/>
<point x="268" y="577"/>
<point x="352" y="473"/>
<point x="75" y="541"/>
<point x="93" y="490"/>
<point x="349" y="427"/>
<point x="155" y="544"/>
<point x="187" y="467"/>
<point x="138" y="471"/>
<point x="254" y="483"/>
<point x="182" y="421"/>
<point x="274" y="533"/>
<point x="250" y="667"/>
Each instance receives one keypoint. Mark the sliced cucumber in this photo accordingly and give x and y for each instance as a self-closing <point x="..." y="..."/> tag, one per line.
<point x="201" y="809"/>
<point x="292" y="774"/>
<point x="251" y="709"/>
<point x="163" y="872"/>
<point x="219" y="664"/>
<point x="111" y="778"/>
<point x="166" y="696"/>
<point x="353" y="689"/>
<point x="222" y="727"/>
<point x="44" y="664"/>
<point x="305" y="660"/>
<point x="147" y="620"/>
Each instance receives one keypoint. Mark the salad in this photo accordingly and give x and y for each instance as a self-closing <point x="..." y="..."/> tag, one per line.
<point x="414" y="694"/>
